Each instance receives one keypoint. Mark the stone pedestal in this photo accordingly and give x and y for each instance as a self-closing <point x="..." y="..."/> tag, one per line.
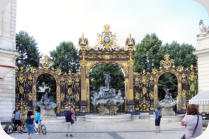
<point x="47" y="113"/>
<point x="168" y="111"/>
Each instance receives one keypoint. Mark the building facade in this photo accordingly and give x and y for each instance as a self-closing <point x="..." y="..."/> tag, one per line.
<point x="8" y="57"/>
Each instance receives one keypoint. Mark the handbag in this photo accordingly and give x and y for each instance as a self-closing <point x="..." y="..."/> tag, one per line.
<point x="196" y="125"/>
<point x="183" y="137"/>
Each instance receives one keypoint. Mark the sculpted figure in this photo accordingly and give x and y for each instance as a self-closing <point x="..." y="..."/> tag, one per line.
<point x="202" y="27"/>
<point x="107" y="80"/>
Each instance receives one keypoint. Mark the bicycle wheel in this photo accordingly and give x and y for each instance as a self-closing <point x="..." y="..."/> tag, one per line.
<point x="24" y="129"/>
<point x="43" y="129"/>
<point x="9" y="129"/>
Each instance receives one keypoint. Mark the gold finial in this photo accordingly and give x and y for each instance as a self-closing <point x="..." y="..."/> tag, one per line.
<point x="83" y="41"/>
<point x="107" y="28"/>
<point x="46" y="59"/>
<point x="167" y="57"/>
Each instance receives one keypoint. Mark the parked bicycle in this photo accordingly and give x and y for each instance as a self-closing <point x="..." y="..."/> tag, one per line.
<point x="42" y="128"/>
<point x="11" y="128"/>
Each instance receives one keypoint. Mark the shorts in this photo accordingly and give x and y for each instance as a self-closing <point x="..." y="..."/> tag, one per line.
<point x="30" y="128"/>
<point x="36" y="124"/>
<point x="18" y="122"/>
<point x="157" y="122"/>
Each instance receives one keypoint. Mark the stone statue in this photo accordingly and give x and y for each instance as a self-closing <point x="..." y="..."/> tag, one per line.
<point x="202" y="27"/>
<point x="107" y="80"/>
<point x="43" y="87"/>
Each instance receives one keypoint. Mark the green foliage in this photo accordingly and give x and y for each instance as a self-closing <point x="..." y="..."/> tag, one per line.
<point x="65" y="57"/>
<point x="97" y="77"/>
<point x="181" y="53"/>
<point x="147" y="53"/>
<point x="28" y="50"/>
<point x="167" y="81"/>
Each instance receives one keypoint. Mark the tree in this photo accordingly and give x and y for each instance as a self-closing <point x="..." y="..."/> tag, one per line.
<point x="181" y="53"/>
<point x="65" y="57"/>
<point x="97" y="77"/>
<point x="147" y="53"/>
<point x="28" y="50"/>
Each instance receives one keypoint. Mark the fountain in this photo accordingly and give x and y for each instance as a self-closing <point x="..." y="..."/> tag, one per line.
<point x="47" y="106"/>
<point x="167" y="104"/>
<point x="106" y="101"/>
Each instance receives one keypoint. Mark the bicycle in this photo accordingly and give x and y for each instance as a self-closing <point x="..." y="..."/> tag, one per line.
<point x="11" y="127"/>
<point x="42" y="128"/>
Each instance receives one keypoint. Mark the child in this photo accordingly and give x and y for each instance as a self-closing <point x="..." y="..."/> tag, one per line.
<point x="158" y="115"/>
<point x="37" y="120"/>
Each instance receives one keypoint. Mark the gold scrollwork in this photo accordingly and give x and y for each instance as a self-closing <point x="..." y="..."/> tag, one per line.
<point x="21" y="78"/>
<point x="137" y="96"/>
<point x="30" y="96"/>
<point x="167" y="62"/>
<point x="192" y="87"/>
<point x="21" y="90"/>
<point x="69" y="91"/>
<point x="69" y="81"/>
<point x="62" y="96"/>
<point x="144" y="90"/>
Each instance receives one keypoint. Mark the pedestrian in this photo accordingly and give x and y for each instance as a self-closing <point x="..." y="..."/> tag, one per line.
<point x="69" y="121"/>
<point x="37" y="120"/>
<point x="13" y="117"/>
<point x="158" y="115"/>
<point x="192" y="122"/>
<point x="74" y="114"/>
<point x="17" y="119"/>
<point x="29" y="123"/>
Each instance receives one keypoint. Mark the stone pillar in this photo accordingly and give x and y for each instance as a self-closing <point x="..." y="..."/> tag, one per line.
<point x="8" y="57"/>
<point x="202" y="52"/>
<point x="130" y="101"/>
<point x="83" y="103"/>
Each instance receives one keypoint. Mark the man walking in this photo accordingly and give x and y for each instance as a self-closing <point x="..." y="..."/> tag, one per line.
<point x="69" y="121"/>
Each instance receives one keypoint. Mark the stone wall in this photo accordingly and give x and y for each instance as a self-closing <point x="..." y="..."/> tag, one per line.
<point x="8" y="56"/>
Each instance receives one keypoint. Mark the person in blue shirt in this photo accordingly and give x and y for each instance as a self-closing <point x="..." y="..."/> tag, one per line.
<point x="69" y="121"/>
<point x="158" y="115"/>
<point x="37" y="120"/>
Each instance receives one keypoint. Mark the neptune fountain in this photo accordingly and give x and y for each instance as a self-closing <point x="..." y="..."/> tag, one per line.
<point x="106" y="101"/>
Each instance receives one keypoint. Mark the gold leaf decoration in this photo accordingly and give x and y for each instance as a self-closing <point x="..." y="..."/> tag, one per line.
<point x="144" y="91"/>
<point x="62" y="96"/>
<point x="21" y="90"/>
<point x="192" y="87"/>
<point x="30" y="96"/>
<point x="69" y="81"/>
<point x="69" y="91"/>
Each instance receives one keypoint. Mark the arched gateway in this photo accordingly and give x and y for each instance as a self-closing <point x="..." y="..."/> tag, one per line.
<point x="141" y="89"/>
<point x="106" y="51"/>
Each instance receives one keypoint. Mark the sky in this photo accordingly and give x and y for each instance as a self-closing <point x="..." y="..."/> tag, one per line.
<point x="51" y="22"/>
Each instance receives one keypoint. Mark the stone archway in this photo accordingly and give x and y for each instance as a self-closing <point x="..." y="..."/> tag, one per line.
<point x="106" y="51"/>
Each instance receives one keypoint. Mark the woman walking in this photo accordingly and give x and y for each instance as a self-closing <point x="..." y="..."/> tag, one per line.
<point x="29" y="123"/>
<point x="158" y="115"/>
<point x="192" y="122"/>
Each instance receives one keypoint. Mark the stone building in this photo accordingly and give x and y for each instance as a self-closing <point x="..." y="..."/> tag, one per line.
<point x="8" y="57"/>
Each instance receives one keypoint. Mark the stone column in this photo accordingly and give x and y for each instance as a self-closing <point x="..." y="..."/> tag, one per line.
<point x="202" y="52"/>
<point x="83" y="103"/>
<point x="8" y="56"/>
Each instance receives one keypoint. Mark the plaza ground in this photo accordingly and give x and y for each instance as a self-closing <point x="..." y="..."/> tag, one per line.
<point x="136" y="129"/>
